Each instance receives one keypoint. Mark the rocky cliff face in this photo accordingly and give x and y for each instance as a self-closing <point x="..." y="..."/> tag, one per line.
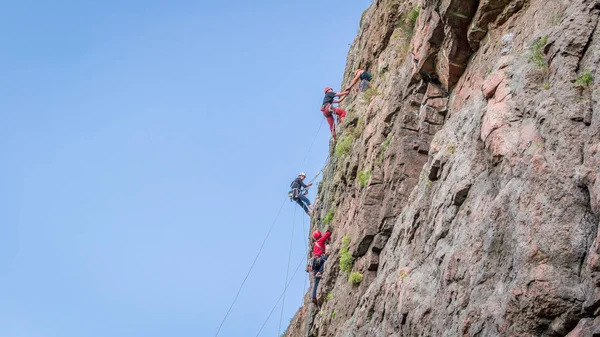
<point x="467" y="179"/>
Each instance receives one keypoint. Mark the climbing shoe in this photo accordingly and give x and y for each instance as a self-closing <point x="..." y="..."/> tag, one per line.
<point x="314" y="300"/>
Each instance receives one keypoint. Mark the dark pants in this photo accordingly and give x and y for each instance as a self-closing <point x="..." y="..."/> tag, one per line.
<point x="363" y="85"/>
<point x="314" y="292"/>
<point x="303" y="201"/>
<point x="317" y="267"/>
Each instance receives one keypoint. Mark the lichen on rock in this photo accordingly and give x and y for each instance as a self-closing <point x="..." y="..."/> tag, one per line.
<point x="480" y="213"/>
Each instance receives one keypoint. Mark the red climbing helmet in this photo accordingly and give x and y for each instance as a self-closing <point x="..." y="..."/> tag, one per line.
<point x="316" y="234"/>
<point x="327" y="89"/>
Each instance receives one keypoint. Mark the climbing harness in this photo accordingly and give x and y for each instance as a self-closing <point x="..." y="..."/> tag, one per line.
<point x="328" y="108"/>
<point x="296" y="192"/>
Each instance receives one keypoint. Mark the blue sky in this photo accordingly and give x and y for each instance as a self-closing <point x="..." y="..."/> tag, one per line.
<point x="146" y="147"/>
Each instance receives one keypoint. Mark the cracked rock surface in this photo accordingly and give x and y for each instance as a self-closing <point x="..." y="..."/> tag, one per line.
<point x="471" y="192"/>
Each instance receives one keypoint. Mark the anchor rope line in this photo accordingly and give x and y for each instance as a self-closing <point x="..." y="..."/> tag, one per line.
<point x="267" y="236"/>
<point x="287" y="273"/>
<point x="251" y="267"/>
<point x="304" y="234"/>
<point x="321" y="171"/>
<point x="313" y="141"/>
<point x="280" y="296"/>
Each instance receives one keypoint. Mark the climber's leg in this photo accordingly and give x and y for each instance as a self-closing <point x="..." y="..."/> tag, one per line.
<point x="305" y="199"/>
<point x="325" y="109"/>
<point x="323" y="259"/>
<point x="341" y="113"/>
<point x="301" y="203"/>
<point x="363" y="85"/>
<point x="314" y="291"/>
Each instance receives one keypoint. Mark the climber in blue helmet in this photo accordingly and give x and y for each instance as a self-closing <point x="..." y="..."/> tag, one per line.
<point x="298" y="193"/>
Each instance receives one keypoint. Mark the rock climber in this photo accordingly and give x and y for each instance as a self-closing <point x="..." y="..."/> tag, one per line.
<point x="298" y="195"/>
<point x="364" y="78"/>
<point x="328" y="109"/>
<point x="319" y="257"/>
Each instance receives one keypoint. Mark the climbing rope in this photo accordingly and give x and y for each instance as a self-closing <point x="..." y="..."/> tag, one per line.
<point x="263" y="244"/>
<point x="321" y="171"/>
<point x="313" y="142"/>
<point x="251" y="267"/>
<point x="304" y="235"/>
<point x="288" y="269"/>
<point x="280" y="296"/>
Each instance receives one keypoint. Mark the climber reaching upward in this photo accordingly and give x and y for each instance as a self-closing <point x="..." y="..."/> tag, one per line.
<point x="320" y="251"/>
<point x="364" y="78"/>
<point x="298" y="195"/>
<point x="328" y="109"/>
<point x="319" y="257"/>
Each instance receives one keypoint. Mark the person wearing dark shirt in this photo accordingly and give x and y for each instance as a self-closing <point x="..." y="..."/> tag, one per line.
<point x="364" y="78"/>
<point x="297" y="195"/>
<point x="328" y="109"/>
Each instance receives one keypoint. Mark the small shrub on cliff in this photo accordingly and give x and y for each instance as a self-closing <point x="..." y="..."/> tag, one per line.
<point x="357" y="130"/>
<point x="329" y="296"/>
<point x="536" y="52"/>
<point x="333" y="314"/>
<point x="407" y="21"/>
<point x="344" y="146"/>
<point x="585" y="80"/>
<point x="413" y="15"/>
<point x="346" y="259"/>
<point x="369" y="93"/>
<point x="329" y="216"/>
<point x="362" y="17"/>
<point x="360" y="127"/>
<point x="556" y="18"/>
<point x="383" y="149"/>
<point x="363" y="177"/>
<point x="355" y="277"/>
<point x="405" y="29"/>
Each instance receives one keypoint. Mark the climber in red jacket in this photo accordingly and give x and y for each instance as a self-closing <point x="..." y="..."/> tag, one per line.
<point x="319" y="248"/>
<point x="319" y="258"/>
<point x="328" y="109"/>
